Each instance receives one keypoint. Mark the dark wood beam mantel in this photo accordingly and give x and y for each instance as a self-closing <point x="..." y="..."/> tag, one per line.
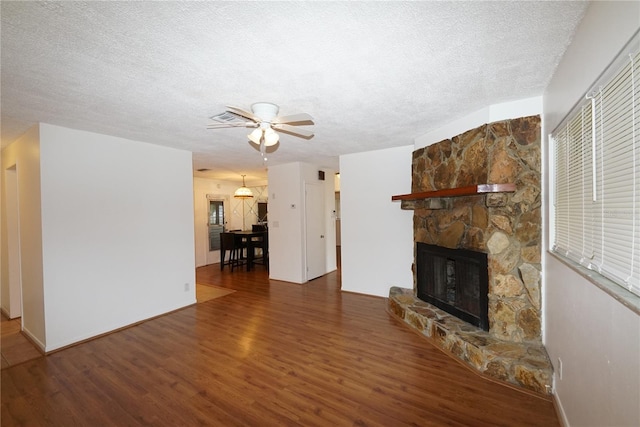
<point x="470" y="190"/>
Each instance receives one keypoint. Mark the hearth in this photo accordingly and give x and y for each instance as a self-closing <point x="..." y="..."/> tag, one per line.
<point x="454" y="280"/>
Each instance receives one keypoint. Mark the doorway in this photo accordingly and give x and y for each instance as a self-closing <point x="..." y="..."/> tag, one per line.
<point x="216" y="223"/>
<point x="12" y="294"/>
<point x="315" y="229"/>
<point x="217" y="207"/>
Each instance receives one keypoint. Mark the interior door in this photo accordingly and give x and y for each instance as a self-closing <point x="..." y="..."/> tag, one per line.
<point x="315" y="231"/>
<point x="215" y="226"/>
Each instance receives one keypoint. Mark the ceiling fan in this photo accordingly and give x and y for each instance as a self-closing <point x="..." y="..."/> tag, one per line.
<point x="264" y="117"/>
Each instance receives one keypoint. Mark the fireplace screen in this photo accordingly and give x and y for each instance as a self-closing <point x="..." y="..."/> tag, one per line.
<point x="454" y="280"/>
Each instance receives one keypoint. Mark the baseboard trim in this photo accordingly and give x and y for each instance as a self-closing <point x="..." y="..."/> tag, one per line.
<point x="562" y="417"/>
<point x="35" y="341"/>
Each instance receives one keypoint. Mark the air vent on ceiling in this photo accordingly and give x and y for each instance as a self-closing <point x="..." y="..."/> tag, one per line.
<point x="228" y="117"/>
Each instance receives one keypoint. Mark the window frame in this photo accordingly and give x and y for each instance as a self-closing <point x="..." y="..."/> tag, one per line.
<point x="565" y="252"/>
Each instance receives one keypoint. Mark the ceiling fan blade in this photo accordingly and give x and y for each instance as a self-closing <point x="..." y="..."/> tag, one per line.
<point x="232" y="125"/>
<point x="293" y="130"/>
<point x="243" y="113"/>
<point x="300" y="117"/>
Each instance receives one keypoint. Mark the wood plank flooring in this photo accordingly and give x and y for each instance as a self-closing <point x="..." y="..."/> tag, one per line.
<point x="270" y="354"/>
<point x="15" y="348"/>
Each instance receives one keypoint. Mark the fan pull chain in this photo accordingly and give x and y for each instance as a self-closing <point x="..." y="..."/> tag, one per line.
<point x="262" y="151"/>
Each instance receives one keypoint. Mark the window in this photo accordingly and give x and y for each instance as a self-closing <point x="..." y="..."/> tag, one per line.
<point x="216" y="222"/>
<point x="262" y="212"/>
<point x="597" y="177"/>
<point x="216" y="212"/>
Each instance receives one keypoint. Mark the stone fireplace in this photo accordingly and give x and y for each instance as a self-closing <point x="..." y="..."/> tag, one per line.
<point x="504" y="225"/>
<point x="454" y="280"/>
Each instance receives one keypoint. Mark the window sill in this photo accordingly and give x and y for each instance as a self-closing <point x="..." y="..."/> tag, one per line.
<point x="620" y="294"/>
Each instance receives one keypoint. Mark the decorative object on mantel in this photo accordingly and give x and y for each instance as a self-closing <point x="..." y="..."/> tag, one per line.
<point x="470" y="190"/>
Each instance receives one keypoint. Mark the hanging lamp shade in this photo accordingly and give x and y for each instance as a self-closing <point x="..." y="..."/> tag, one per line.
<point x="243" y="192"/>
<point x="255" y="136"/>
<point x="270" y="137"/>
<point x="264" y="135"/>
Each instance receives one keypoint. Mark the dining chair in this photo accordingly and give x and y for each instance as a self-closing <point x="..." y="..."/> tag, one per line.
<point x="230" y="244"/>
<point x="261" y="243"/>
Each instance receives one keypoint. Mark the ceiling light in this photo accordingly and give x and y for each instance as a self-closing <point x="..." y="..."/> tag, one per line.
<point x="243" y="192"/>
<point x="255" y="136"/>
<point x="270" y="137"/>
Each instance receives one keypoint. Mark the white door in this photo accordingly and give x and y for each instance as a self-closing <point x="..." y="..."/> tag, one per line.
<point x="315" y="231"/>
<point x="216" y="221"/>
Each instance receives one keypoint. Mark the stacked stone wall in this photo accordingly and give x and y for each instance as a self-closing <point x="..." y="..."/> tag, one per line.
<point x="506" y="226"/>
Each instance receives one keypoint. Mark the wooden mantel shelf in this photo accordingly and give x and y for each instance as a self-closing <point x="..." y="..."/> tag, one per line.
<point x="470" y="190"/>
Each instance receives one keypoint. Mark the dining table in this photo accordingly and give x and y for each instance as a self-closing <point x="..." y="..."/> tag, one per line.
<point x="251" y="240"/>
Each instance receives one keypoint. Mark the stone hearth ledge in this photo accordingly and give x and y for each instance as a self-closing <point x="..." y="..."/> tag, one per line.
<point x="525" y="364"/>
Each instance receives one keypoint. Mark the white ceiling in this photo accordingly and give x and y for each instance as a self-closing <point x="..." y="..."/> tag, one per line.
<point x="373" y="75"/>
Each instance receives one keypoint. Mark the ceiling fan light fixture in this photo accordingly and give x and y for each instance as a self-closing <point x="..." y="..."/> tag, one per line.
<point x="264" y="118"/>
<point x="265" y="110"/>
<point x="270" y="137"/>
<point x="255" y="136"/>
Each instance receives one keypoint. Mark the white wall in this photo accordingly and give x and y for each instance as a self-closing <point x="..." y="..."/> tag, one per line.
<point x="117" y="232"/>
<point x="287" y="248"/>
<point x="597" y="338"/>
<point x="377" y="236"/>
<point x="493" y="113"/>
<point x="285" y="223"/>
<point x="11" y="301"/>
<point x="24" y="154"/>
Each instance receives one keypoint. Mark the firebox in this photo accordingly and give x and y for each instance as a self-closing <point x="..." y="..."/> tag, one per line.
<point x="454" y="280"/>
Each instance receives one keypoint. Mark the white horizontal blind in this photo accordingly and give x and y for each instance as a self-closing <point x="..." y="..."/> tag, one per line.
<point x="597" y="181"/>
<point x="561" y="193"/>
<point x="573" y="170"/>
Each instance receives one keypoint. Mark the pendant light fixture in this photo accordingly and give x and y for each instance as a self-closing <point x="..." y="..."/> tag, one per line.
<point x="243" y="192"/>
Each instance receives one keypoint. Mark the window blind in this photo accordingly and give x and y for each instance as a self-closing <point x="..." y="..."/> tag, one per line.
<point x="597" y="181"/>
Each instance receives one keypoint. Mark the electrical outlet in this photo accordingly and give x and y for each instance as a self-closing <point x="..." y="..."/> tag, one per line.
<point x="559" y="368"/>
<point x="186" y="287"/>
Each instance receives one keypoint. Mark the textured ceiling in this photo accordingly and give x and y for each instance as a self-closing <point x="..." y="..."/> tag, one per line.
<point x="372" y="74"/>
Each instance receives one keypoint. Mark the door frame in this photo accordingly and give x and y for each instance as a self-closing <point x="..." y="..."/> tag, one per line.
<point x="13" y="309"/>
<point x="315" y="231"/>
<point x="213" y="257"/>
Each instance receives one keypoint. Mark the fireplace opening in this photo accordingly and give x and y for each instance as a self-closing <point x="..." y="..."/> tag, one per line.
<point x="454" y="280"/>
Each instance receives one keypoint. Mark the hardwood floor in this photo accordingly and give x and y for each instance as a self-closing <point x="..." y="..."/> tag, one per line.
<point x="15" y="348"/>
<point x="270" y="354"/>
